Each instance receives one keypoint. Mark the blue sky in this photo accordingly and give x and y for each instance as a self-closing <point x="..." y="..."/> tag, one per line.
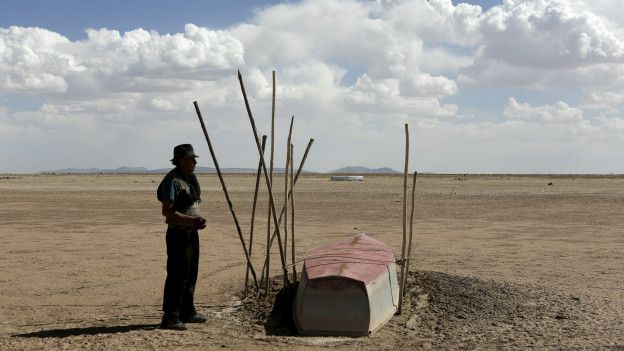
<point x="531" y="86"/>
<point x="72" y="17"/>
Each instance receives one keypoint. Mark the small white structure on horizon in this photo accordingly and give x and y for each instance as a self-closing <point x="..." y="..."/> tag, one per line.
<point x="347" y="178"/>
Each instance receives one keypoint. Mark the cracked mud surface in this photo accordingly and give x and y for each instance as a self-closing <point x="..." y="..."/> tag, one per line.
<point x="500" y="262"/>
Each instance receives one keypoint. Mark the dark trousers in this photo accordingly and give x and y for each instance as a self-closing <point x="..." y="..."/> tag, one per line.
<point x="182" y="265"/>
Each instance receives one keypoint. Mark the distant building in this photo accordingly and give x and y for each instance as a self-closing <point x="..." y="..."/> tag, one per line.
<point x="350" y="178"/>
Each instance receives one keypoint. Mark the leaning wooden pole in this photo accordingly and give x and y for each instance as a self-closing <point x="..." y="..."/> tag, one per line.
<point x="279" y="221"/>
<point x="253" y="215"/>
<point x="402" y="287"/>
<point x="266" y="177"/>
<point x="288" y="156"/>
<point x="285" y="230"/>
<point x="411" y="227"/>
<point x="268" y="232"/>
<point x="292" y="213"/>
<point x="227" y="196"/>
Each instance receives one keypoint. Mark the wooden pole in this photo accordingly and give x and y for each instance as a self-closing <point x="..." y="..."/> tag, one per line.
<point x="411" y="226"/>
<point x="305" y="156"/>
<point x="292" y="213"/>
<point x="288" y="156"/>
<point x="253" y="215"/>
<point x="301" y="164"/>
<point x="286" y="203"/>
<point x="266" y="177"/>
<point x="227" y="196"/>
<point x="268" y="232"/>
<point x="401" y="287"/>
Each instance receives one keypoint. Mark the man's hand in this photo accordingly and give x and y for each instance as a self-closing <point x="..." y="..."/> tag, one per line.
<point x="199" y="223"/>
<point x="170" y="214"/>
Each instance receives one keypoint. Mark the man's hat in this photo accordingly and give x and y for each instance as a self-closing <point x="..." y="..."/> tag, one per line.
<point x="183" y="150"/>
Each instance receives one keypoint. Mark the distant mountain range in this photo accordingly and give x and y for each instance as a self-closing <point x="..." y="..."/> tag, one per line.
<point x="130" y="170"/>
<point x="364" y="170"/>
<point x="126" y="170"/>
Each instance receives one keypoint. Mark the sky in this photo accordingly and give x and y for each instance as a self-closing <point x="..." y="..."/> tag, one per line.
<point x="509" y="86"/>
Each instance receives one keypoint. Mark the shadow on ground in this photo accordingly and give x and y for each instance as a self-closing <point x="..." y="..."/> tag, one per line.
<point x="281" y="320"/>
<point x="63" y="333"/>
<point x="273" y="310"/>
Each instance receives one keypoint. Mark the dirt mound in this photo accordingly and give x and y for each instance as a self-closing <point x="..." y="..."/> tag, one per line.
<point x="453" y="310"/>
<point x="274" y="309"/>
<point x="446" y="311"/>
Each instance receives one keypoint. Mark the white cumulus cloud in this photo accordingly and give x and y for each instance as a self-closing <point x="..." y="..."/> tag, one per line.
<point x="426" y="85"/>
<point x="435" y="21"/>
<point x="611" y="124"/>
<point x="384" y="96"/>
<point x="145" y="53"/>
<point x="558" y="113"/>
<point x="547" y="33"/>
<point x="603" y="100"/>
<point x="34" y="60"/>
<point x="542" y="42"/>
<point x="38" y="60"/>
<point x="348" y="70"/>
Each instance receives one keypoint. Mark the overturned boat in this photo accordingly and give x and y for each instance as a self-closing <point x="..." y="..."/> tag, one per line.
<point x="347" y="288"/>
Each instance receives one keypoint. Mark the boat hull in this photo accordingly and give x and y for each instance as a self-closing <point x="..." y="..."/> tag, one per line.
<point x="349" y="288"/>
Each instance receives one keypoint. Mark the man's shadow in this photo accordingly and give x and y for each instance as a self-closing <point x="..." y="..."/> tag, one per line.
<point x="63" y="333"/>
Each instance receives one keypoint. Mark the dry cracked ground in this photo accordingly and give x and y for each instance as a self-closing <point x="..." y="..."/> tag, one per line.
<point x="500" y="262"/>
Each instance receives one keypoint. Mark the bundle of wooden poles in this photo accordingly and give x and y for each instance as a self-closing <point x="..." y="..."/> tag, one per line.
<point x="289" y="186"/>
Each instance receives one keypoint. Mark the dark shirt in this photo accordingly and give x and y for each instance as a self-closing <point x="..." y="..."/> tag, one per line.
<point x="183" y="190"/>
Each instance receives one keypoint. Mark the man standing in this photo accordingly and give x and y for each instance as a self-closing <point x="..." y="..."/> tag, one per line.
<point x="180" y="195"/>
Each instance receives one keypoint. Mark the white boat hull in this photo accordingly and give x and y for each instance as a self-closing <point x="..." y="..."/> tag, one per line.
<point x="344" y="304"/>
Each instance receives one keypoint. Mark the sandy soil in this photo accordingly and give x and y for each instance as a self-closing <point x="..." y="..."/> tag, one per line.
<point x="500" y="262"/>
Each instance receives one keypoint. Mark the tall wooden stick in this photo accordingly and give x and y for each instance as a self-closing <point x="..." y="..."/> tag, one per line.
<point x="266" y="177"/>
<point x="268" y="232"/>
<point x="288" y="156"/>
<point x="227" y="196"/>
<point x="292" y="213"/>
<point x="253" y="215"/>
<point x="411" y="226"/>
<point x="305" y="156"/>
<point x="402" y="287"/>
<point x="286" y="203"/>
